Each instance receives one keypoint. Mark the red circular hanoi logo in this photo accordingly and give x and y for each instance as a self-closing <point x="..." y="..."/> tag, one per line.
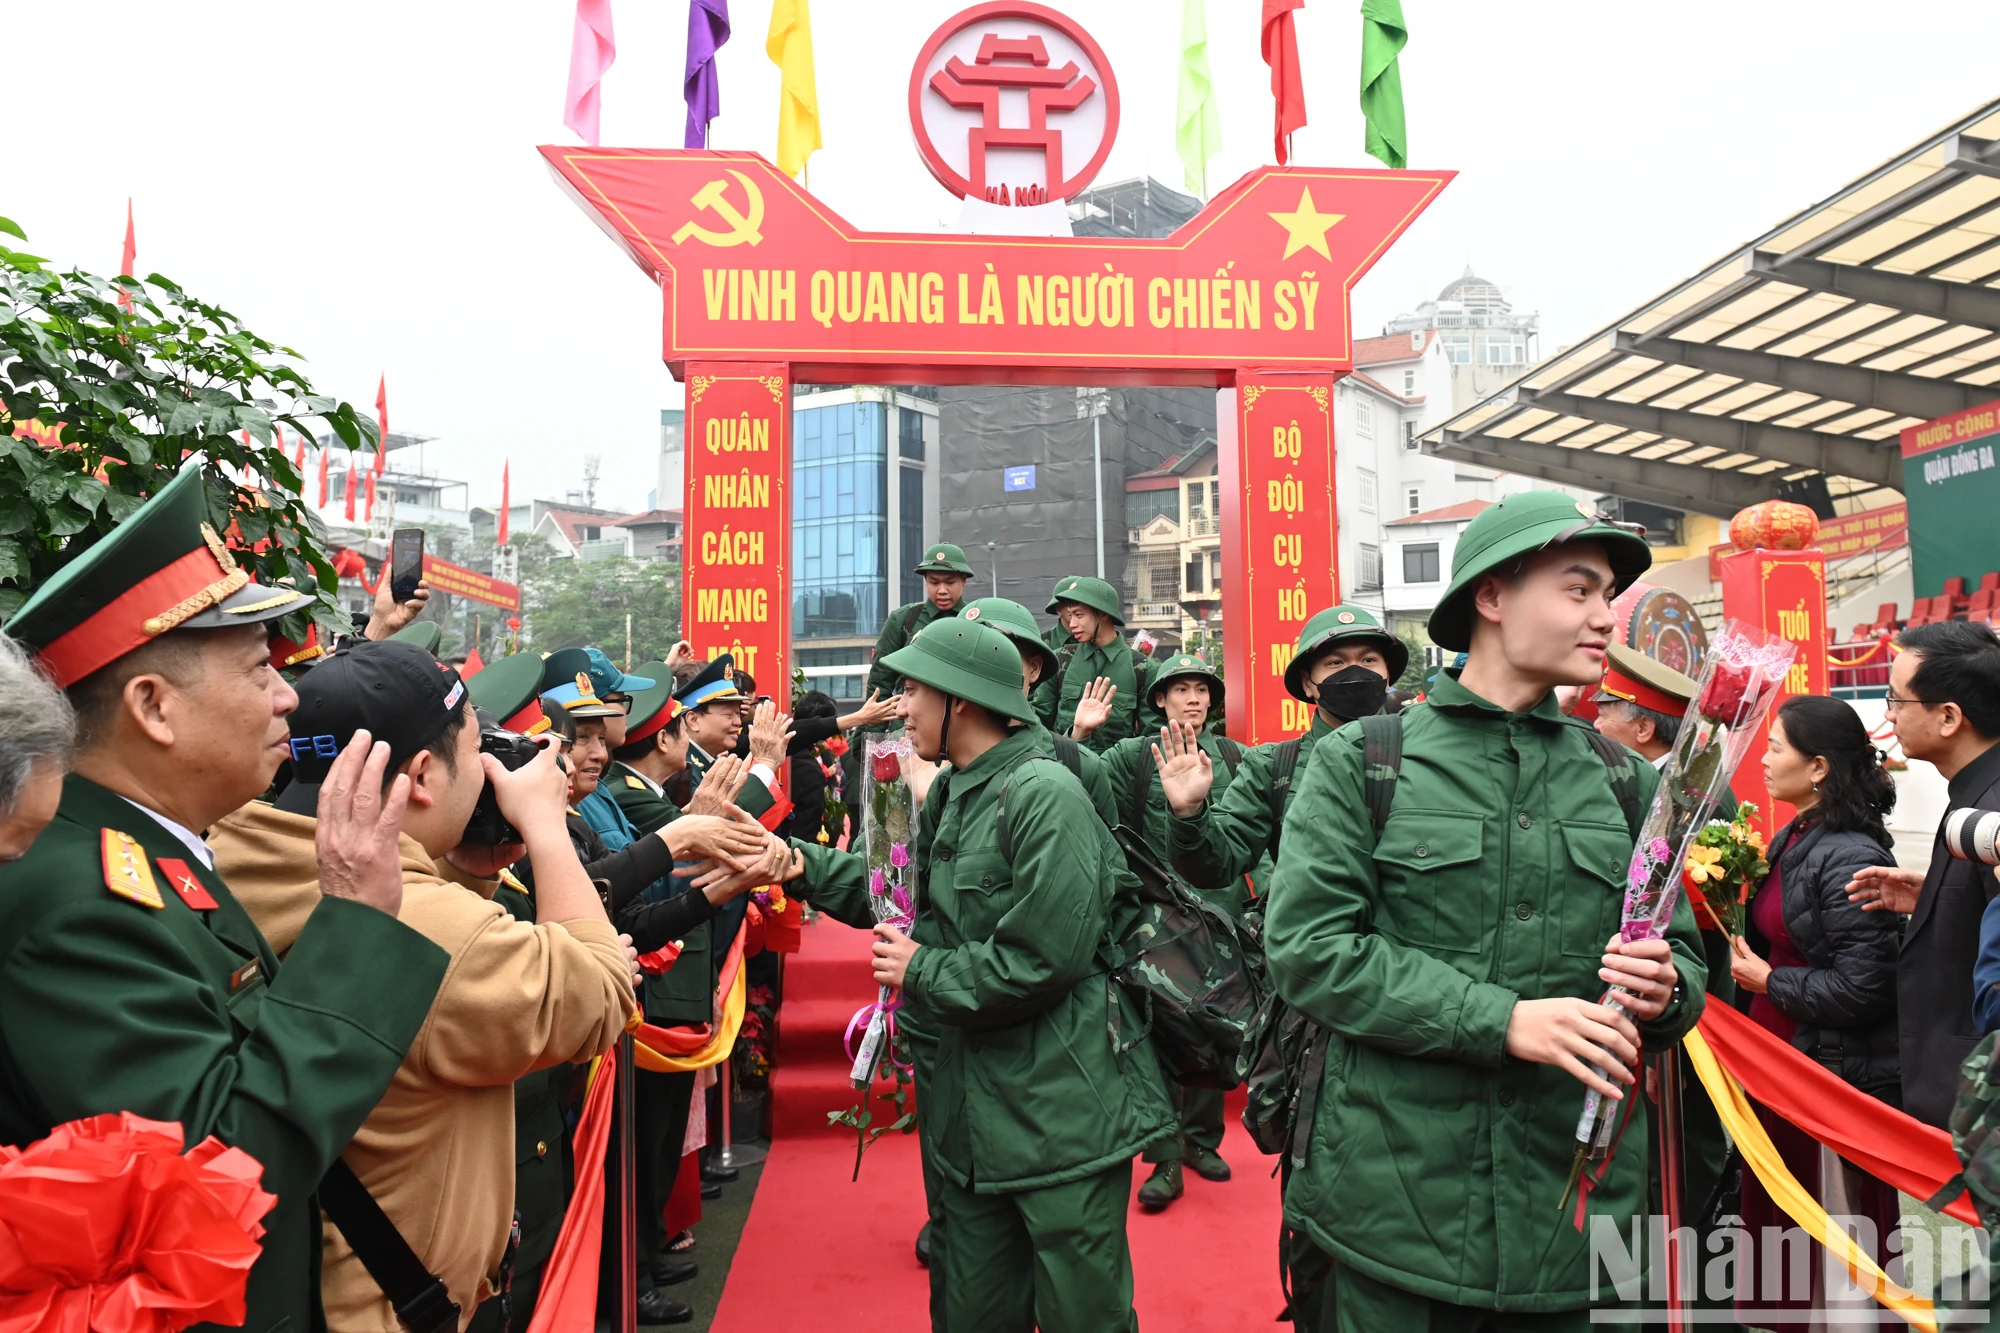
<point x="1013" y="103"/>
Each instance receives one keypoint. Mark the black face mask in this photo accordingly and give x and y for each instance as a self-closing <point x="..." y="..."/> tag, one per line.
<point x="1353" y="692"/>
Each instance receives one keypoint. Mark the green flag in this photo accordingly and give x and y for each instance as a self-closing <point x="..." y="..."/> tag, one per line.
<point x="1197" y="124"/>
<point x="1383" y="38"/>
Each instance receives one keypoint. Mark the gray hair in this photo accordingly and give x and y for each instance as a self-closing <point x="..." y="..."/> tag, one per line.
<point x="1666" y="727"/>
<point x="36" y="724"/>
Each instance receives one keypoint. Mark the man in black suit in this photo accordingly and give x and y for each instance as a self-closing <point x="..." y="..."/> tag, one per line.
<point x="1944" y="696"/>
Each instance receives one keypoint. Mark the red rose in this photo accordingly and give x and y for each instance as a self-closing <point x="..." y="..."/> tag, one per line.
<point x="888" y="765"/>
<point x="1728" y="689"/>
<point x="836" y="745"/>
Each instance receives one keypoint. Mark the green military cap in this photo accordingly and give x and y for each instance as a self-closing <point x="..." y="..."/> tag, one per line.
<point x="426" y="634"/>
<point x="1017" y="623"/>
<point x="1648" y="682"/>
<point x="1334" y="626"/>
<point x="510" y="690"/>
<point x="1086" y="591"/>
<point x="1521" y="525"/>
<point x="164" y="568"/>
<point x="944" y="558"/>
<point x="1185" y="666"/>
<point x="966" y="660"/>
<point x="652" y="707"/>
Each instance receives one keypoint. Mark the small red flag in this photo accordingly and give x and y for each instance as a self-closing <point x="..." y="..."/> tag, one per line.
<point x="381" y="421"/>
<point x="1281" y="53"/>
<point x="324" y="458"/>
<point x="368" y="515"/>
<point x="128" y="255"/>
<point x="474" y="664"/>
<point x="351" y="480"/>
<point x="506" y="503"/>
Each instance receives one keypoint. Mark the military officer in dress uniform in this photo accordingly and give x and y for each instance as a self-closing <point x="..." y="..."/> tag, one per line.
<point x="134" y="981"/>
<point x="1033" y="1193"/>
<point x="946" y="572"/>
<point x="1455" y="957"/>
<point x="1186" y="690"/>
<point x="1098" y="692"/>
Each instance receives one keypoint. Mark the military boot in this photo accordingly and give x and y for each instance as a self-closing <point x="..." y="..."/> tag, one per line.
<point x="1207" y="1163"/>
<point x="1162" y="1187"/>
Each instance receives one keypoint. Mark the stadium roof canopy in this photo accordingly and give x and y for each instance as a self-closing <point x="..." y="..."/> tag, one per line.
<point x="1804" y="353"/>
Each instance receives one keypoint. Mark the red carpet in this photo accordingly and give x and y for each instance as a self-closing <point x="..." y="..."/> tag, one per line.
<point x="823" y="1253"/>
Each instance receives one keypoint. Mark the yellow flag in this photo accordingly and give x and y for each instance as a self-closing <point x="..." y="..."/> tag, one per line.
<point x="789" y="44"/>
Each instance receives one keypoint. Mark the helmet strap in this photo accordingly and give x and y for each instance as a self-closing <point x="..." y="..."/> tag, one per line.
<point x="944" y="732"/>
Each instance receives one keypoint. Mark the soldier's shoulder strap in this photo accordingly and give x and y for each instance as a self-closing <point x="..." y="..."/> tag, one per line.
<point x="1005" y="832"/>
<point x="1381" y="765"/>
<point x="1232" y="753"/>
<point x="1618" y="763"/>
<point x="1284" y="762"/>
<point x="1071" y="753"/>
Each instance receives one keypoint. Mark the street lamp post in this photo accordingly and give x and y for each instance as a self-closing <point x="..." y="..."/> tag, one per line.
<point x="1094" y="403"/>
<point x="993" y="553"/>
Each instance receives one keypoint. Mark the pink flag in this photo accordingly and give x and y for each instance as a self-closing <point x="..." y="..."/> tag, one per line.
<point x="324" y="458"/>
<point x="591" y="51"/>
<point x="506" y="503"/>
<point x="127" y="255"/>
<point x="382" y="424"/>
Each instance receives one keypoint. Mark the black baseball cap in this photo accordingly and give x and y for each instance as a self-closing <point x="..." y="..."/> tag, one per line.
<point x="397" y="691"/>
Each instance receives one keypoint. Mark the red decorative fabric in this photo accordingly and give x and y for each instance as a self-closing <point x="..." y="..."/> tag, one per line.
<point x="568" y="1298"/>
<point x="1281" y="53"/>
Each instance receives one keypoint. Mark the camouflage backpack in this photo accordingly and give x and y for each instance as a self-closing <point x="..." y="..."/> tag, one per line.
<point x="1183" y="960"/>
<point x="1975" y="1135"/>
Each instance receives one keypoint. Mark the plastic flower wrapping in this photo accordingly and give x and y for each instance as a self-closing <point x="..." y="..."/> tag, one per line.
<point x="1725" y="863"/>
<point x="1740" y="678"/>
<point x="887" y="827"/>
<point x="107" y="1227"/>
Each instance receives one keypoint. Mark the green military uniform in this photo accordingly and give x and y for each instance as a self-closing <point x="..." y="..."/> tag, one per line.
<point x="1135" y="778"/>
<point x="1013" y="620"/>
<point x="1436" y="1162"/>
<point x="1029" y="1116"/>
<point x="1081" y="663"/>
<point x="128" y="991"/>
<point x="1234" y="831"/>
<point x="902" y="624"/>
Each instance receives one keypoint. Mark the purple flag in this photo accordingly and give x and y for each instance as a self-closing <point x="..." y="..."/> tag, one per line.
<point x="708" y="29"/>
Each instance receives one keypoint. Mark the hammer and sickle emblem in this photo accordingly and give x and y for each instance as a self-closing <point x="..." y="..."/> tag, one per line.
<point x="742" y="228"/>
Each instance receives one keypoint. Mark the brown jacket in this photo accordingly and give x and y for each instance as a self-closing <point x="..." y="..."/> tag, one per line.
<point x="438" y="1151"/>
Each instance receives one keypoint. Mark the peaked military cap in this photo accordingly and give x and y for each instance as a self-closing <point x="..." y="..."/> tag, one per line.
<point x="716" y="681"/>
<point x="944" y="558"/>
<point x="425" y="634"/>
<point x="1086" y="591"/>
<point x="1519" y="526"/>
<point x="162" y="569"/>
<point x="1185" y="666"/>
<point x="1632" y="676"/>
<point x="1330" y="628"/>
<point x="654" y="705"/>
<point x="510" y="689"/>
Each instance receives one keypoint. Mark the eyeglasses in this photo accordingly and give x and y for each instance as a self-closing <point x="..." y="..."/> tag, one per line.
<point x="623" y="701"/>
<point x="1891" y="703"/>
<point x="1598" y="519"/>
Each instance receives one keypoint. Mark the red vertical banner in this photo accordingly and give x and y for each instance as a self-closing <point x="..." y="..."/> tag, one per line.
<point x="1281" y="560"/>
<point x="1783" y="593"/>
<point x="736" y="574"/>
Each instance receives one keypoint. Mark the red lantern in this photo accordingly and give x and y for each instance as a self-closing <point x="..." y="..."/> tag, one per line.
<point x="1774" y="525"/>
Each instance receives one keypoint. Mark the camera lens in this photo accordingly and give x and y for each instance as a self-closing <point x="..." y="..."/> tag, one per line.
<point x="1973" y="835"/>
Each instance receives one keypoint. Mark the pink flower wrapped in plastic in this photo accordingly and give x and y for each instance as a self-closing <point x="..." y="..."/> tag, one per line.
<point x="107" y="1227"/>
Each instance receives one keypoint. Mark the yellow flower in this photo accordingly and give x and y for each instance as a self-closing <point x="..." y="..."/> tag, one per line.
<point x="1703" y="864"/>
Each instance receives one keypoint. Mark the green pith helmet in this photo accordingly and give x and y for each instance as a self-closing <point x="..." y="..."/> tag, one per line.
<point x="1519" y="526"/>
<point x="1017" y="623"/>
<point x="1188" y="665"/>
<point x="426" y="634"/>
<point x="1334" y="626"/>
<point x="944" y="558"/>
<point x="967" y="660"/>
<point x="1085" y="591"/>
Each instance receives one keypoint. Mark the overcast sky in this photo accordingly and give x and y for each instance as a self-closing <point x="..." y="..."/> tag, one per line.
<point x="359" y="180"/>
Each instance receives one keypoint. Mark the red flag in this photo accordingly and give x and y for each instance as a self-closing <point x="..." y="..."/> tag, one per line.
<point x="129" y="254"/>
<point x="351" y="479"/>
<point x="324" y="458"/>
<point x="368" y="515"/>
<point x="1281" y="53"/>
<point x="474" y="664"/>
<point x="382" y="421"/>
<point x="299" y="459"/>
<point x="506" y="503"/>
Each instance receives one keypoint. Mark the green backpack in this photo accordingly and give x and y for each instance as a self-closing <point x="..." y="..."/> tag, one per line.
<point x="1975" y="1136"/>
<point x="1196" y="979"/>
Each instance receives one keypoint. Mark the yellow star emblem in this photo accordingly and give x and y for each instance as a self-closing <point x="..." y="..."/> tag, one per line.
<point x="1306" y="226"/>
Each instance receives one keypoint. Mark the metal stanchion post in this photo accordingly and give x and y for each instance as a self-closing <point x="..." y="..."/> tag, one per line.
<point x="1667" y="1072"/>
<point x="733" y="1154"/>
<point x="628" y="1180"/>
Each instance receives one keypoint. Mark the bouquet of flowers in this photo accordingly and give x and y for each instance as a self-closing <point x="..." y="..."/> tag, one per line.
<point x="888" y="823"/>
<point x="1726" y="859"/>
<point x="1740" y="677"/>
<point x="107" y="1226"/>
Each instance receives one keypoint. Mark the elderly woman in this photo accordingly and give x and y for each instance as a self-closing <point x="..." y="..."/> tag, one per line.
<point x="36" y="730"/>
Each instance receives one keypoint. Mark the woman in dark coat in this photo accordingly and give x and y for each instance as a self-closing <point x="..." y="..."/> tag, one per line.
<point x="1820" y="972"/>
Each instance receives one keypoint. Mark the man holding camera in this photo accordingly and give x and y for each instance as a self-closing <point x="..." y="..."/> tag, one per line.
<point x="437" y="1153"/>
<point x="1944" y="698"/>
